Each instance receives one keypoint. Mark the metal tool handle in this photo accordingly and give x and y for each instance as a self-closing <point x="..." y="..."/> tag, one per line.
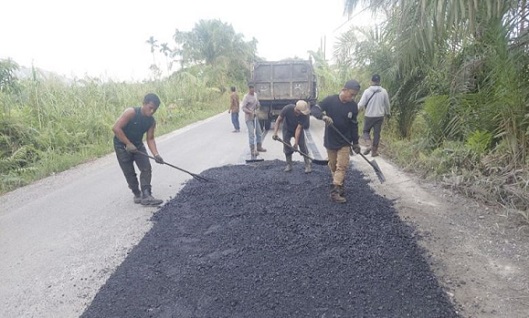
<point x="196" y="176"/>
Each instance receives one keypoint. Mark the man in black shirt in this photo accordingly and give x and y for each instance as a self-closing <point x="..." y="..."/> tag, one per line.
<point x="295" y="118"/>
<point x="341" y="111"/>
<point x="129" y="130"/>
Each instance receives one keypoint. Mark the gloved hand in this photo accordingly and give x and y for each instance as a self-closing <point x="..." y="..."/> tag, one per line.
<point x="159" y="159"/>
<point x="388" y="116"/>
<point x="275" y="137"/>
<point x="355" y="148"/>
<point x="327" y="120"/>
<point x="131" y="148"/>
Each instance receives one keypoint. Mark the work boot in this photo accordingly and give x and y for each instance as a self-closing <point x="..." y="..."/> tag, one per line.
<point x="335" y="195"/>
<point x="374" y="151"/>
<point x="253" y="152"/>
<point x="137" y="196"/>
<point x="288" y="168"/>
<point x="148" y="199"/>
<point x="260" y="147"/>
<point x="308" y="166"/>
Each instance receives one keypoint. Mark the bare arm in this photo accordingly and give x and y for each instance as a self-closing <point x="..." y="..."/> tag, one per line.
<point x="121" y="122"/>
<point x="297" y="134"/>
<point x="279" y="120"/>
<point x="151" y="143"/>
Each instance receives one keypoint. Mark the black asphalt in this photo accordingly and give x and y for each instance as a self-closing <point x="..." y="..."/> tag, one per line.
<point x="263" y="243"/>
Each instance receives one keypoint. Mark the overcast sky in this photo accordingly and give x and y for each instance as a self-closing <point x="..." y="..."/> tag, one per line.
<point x="107" y="38"/>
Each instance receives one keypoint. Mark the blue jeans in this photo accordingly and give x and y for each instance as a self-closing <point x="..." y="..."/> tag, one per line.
<point x="254" y="132"/>
<point x="235" y="121"/>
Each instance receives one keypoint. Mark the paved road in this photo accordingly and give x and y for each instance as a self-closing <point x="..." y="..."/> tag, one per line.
<point x="62" y="237"/>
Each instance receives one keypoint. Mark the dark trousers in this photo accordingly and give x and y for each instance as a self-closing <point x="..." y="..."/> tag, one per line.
<point x="302" y="145"/>
<point x="235" y="121"/>
<point x="375" y="124"/>
<point x="126" y="162"/>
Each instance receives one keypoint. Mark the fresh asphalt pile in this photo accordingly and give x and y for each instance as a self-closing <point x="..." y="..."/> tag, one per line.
<point x="259" y="242"/>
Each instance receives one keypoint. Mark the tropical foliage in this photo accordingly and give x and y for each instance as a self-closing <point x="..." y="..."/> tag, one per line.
<point x="47" y="126"/>
<point x="457" y="74"/>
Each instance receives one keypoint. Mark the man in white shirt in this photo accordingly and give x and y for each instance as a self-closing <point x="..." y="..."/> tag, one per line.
<point x="375" y="102"/>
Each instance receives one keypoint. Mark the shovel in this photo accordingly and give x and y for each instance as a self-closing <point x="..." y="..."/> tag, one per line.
<point x="196" y="176"/>
<point x="373" y="163"/>
<point x="315" y="161"/>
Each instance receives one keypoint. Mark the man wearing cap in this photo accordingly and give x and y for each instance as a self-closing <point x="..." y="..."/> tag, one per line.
<point x="340" y="111"/>
<point x="375" y="101"/>
<point x="295" y="119"/>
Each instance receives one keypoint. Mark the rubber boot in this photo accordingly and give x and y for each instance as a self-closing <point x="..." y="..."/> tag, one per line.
<point x="148" y="199"/>
<point x="137" y="196"/>
<point x="288" y="168"/>
<point x="260" y="147"/>
<point x="374" y="151"/>
<point x="335" y="195"/>
<point x="308" y="165"/>
<point x="253" y="152"/>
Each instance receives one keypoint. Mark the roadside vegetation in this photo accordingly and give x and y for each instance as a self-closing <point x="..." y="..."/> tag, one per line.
<point x="456" y="72"/>
<point x="458" y="88"/>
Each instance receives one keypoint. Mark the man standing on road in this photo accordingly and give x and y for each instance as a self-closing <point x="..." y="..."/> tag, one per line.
<point x="295" y="119"/>
<point x="234" y="109"/>
<point x="129" y="130"/>
<point x="250" y="104"/>
<point x="340" y="111"/>
<point x="375" y="101"/>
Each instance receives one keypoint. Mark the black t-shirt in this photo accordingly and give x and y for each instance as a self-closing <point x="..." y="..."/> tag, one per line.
<point x="291" y="121"/>
<point x="344" y="116"/>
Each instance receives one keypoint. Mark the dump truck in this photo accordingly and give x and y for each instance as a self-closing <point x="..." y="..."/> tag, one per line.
<point x="279" y="83"/>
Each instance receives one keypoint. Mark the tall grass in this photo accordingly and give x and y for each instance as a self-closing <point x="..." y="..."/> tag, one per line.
<point x="49" y="126"/>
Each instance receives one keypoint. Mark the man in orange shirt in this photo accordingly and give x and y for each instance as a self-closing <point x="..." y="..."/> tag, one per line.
<point x="234" y="109"/>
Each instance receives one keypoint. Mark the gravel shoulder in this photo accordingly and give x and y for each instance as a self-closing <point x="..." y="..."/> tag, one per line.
<point x="479" y="253"/>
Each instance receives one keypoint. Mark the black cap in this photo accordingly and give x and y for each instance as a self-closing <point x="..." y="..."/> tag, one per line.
<point x="352" y="84"/>
<point x="375" y="78"/>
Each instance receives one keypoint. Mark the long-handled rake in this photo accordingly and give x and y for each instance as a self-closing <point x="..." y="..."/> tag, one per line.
<point x="315" y="161"/>
<point x="373" y="163"/>
<point x="196" y="176"/>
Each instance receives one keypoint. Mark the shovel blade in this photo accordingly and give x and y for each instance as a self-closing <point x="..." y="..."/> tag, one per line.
<point x="320" y="162"/>
<point x="378" y="172"/>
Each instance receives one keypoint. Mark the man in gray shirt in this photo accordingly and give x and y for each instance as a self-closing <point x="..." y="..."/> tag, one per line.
<point x="250" y="105"/>
<point x="375" y="102"/>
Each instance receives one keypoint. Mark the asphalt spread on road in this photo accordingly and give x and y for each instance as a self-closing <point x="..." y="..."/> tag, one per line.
<point x="259" y="242"/>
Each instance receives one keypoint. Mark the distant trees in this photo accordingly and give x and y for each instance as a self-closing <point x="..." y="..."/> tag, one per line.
<point x="212" y="46"/>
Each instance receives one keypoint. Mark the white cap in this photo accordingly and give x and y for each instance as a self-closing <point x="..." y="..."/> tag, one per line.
<point x="302" y="107"/>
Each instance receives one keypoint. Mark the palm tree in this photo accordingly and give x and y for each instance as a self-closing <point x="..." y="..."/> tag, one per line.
<point x="166" y="51"/>
<point x="154" y="44"/>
